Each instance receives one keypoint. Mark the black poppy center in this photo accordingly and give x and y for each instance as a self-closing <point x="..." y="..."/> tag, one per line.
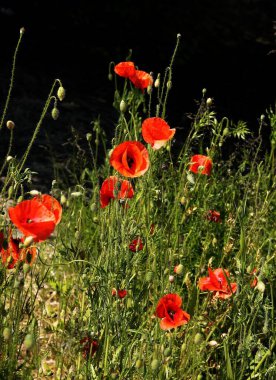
<point x="130" y="162"/>
<point x="171" y="313"/>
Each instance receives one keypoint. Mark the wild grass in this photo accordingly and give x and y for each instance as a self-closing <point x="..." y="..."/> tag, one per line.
<point x="68" y="297"/>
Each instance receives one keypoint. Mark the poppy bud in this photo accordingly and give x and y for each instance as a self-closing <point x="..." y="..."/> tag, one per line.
<point x="28" y="241"/>
<point x="110" y="77"/>
<point x="212" y="343"/>
<point x="155" y="364"/>
<point x="204" y="91"/>
<point x="76" y="194"/>
<point x="88" y="136"/>
<point x="225" y="132"/>
<point x="171" y="279"/>
<point x="149" y="89"/>
<point x="198" y="339"/>
<point x="34" y="192"/>
<point x="61" y="93"/>
<point x="123" y="106"/>
<point x="22" y="30"/>
<point x="29" y="341"/>
<point x="260" y="286"/>
<point x="63" y="199"/>
<point x="169" y="84"/>
<point x="157" y="81"/>
<point x="20" y="199"/>
<point x="209" y="102"/>
<point x="178" y="269"/>
<point x="167" y="352"/>
<point x="10" y="124"/>
<point x="55" y="113"/>
<point x="138" y="363"/>
<point x="9" y="158"/>
<point x="6" y="333"/>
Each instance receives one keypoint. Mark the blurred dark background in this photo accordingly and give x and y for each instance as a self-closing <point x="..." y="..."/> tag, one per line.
<point x="225" y="47"/>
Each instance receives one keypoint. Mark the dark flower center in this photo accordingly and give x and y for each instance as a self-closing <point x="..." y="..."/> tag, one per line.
<point x="130" y="162"/>
<point x="171" y="313"/>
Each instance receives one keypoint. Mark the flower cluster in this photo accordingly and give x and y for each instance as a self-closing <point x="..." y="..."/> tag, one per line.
<point x="139" y="78"/>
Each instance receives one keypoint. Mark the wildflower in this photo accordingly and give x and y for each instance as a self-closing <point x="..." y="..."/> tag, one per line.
<point x="130" y="158"/>
<point x="37" y="217"/>
<point x="156" y="132"/>
<point x="9" y="250"/>
<point x="169" y="309"/>
<point x="136" y="245"/>
<point x="201" y="164"/>
<point x="125" y="69"/>
<point x="217" y="282"/>
<point x="254" y="282"/>
<point x="213" y="216"/>
<point x="141" y="79"/>
<point x="121" y="293"/>
<point x="89" y="347"/>
<point x="178" y="269"/>
<point x="115" y="188"/>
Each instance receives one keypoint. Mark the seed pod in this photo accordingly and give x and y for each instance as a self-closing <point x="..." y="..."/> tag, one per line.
<point x="55" y="113"/>
<point x="61" y="93"/>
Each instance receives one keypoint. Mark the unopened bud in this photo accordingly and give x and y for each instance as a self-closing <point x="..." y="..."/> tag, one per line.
<point x="34" y="192"/>
<point x="29" y="341"/>
<point x="260" y="286"/>
<point x="138" y="363"/>
<point x="10" y="124"/>
<point x="209" y="102"/>
<point x="204" y="91"/>
<point x="169" y="84"/>
<point x="61" y="93"/>
<point x="9" y="158"/>
<point x="63" y="199"/>
<point x="55" y="113"/>
<point x="213" y="343"/>
<point x="157" y="81"/>
<point x="198" y="338"/>
<point x="178" y="269"/>
<point x="171" y="278"/>
<point x="88" y="136"/>
<point x="28" y="241"/>
<point x="155" y="364"/>
<point x="167" y="352"/>
<point x="22" y="30"/>
<point x="76" y="194"/>
<point x="6" y="333"/>
<point x="123" y="106"/>
<point x="110" y="76"/>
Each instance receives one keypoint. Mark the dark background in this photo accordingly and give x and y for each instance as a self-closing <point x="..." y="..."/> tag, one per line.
<point x="225" y="47"/>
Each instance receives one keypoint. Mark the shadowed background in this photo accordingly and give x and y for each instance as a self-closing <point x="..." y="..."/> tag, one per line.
<point x="225" y="47"/>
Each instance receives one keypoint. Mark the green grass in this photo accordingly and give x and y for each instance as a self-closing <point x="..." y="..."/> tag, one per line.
<point x="66" y="295"/>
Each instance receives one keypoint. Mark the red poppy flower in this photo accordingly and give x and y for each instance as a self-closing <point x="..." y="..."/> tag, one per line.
<point x="213" y="216"/>
<point x="156" y="132"/>
<point x="51" y="204"/>
<point x="10" y="252"/>
<point x="136" y="245"/>
<point x="33" y="218"/>
<point x="115" y="188"/>
<point x="254" y="282"/>
<point x="141" y="79"/>
<point x="217" y="282"/>
<point x="90" y="346"/>
<point x="169" y="309"/>
<point x="125" y="69"/>
<point x="201" y="164"/>
<point x="130" y="158"/>
<point x="121" y="293"/>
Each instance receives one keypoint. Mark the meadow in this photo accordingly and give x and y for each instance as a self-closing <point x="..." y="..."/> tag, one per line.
<point x="158" y="262"/>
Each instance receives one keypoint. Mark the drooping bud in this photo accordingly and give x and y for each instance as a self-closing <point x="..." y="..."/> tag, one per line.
<point x="28" y="241"/>
<point x="22" y="30"/>
<point x="10" y="124"/>
<point x="209" y="102"/>
<point x="29" y="341"/>
<point x="61" y="93"/>
<point x="88" y="136"/>
<point x="123" y="106"/>
<point x="55" y="113"/>
<point x="110" y="77"/>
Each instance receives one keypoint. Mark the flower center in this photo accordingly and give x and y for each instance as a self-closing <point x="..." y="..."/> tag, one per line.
<point x="171" y="313"/>
<point x="130" y="162"/>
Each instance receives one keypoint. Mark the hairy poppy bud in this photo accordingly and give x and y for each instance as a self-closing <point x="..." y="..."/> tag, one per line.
<point x="155" y="364"/>
<point x="171" y="278"/>
<point x="157" y="81"/>
<point x="138" y="363"/>
<point x="213" y="343"/>
<point x="29" y="341"/>
<point x="209" y="102"/>
<point x="198" y="338"/>
<point x="28" y="241"/>
<point x="6" y="333"/>
<point x="178" y="269"/>
<point x="9" y="158"/>
<point x="204" y="91"/>
<point x="55" y="113"/>
<point x="63" y="199"/>
<point x="10" y="124"/>
<point x="34" y="192"/>
<point x="123" y="106"/>
<point x="22" y="30"/>
<point x="110" y="76"/>
<point x="88" y="136"/>
<point x="169" y="84"/>
<point x="61" y="93"/>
